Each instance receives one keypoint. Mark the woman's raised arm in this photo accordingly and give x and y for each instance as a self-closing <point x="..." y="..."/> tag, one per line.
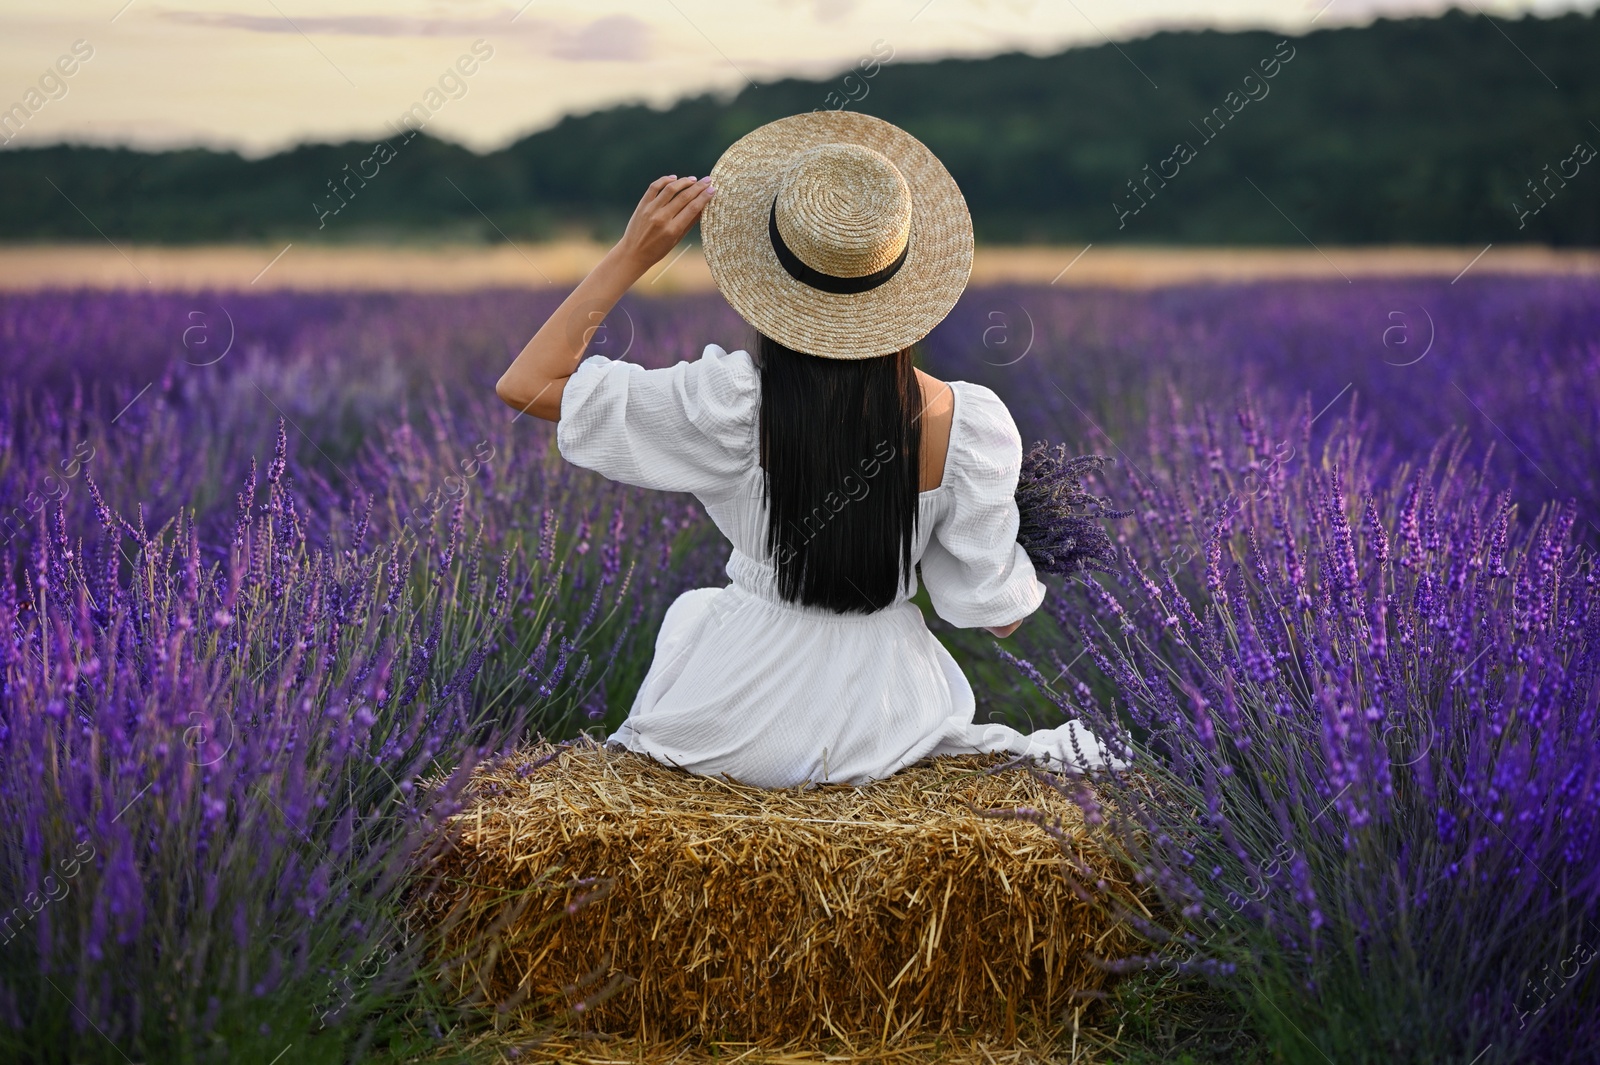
<point x="538" y="375"/>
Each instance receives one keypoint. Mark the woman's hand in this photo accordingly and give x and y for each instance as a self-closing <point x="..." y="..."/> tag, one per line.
<point x="664" y="214"/>
<point x="537" y="377"/>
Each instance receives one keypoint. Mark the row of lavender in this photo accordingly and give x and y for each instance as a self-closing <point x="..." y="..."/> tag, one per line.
<point x="217" y="702"/>
<point x="1516" y="362"/>
<point x="1513" y="361"/>
<point x="224" y="680"/>
<point x="1358" y="656"/>
<point x="1365" y="697"/>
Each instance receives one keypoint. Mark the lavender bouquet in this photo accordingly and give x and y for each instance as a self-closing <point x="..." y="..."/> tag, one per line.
<point x="1061" y="523"/>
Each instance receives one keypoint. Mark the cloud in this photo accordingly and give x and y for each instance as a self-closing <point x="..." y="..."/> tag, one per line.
<point x="834" y="10"/>
<point x="342" y="25"/>
<point x="828" y="11"/>
<point x="614" y="38"/>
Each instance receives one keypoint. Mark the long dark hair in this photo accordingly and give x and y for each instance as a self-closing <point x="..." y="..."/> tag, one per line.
<point x="841" y="442"/>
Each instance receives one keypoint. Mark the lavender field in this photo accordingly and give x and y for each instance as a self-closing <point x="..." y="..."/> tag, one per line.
<point x="273" y="560"/>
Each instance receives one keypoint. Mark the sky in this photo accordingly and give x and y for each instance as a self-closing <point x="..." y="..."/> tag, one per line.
<point x="260" y="75"/>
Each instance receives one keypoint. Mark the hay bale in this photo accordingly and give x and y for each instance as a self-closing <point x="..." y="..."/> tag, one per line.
<point x="725" y="911"/>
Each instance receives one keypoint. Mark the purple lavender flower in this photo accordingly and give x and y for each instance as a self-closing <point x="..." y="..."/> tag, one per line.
<point x="1061" y="524"/>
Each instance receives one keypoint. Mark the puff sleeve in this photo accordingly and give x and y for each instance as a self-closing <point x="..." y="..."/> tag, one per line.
<point x="689" y="427"/>
<point x="976" y="573"/>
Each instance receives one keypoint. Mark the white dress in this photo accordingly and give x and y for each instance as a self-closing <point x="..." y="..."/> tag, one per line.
<point x="775" y="694"/>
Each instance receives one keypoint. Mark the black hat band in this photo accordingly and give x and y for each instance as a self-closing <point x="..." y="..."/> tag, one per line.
<point x="816" y="278"/>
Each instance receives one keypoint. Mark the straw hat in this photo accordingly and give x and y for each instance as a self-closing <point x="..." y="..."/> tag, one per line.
<point x="837" y="234"/>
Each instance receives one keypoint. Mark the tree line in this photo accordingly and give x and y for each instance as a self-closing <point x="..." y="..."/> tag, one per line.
<point x="1453" y="129"/>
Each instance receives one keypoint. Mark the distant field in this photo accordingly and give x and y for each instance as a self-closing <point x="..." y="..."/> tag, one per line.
<point x="455" y="268"/>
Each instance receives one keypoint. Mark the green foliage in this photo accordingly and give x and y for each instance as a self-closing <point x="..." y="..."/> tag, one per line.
<point x="1162" y="1018"/>
<point x="1415" y="130"/>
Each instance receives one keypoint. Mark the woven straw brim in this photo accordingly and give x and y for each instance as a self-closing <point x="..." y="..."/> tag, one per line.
<point x="857" y="325"/>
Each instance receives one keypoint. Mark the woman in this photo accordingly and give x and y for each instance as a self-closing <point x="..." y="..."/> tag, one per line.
<point x="832" y="464"/>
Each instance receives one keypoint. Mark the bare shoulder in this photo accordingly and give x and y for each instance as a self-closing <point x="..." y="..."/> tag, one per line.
<point x="938" y="407"/>
<point x="936" y="395"/>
